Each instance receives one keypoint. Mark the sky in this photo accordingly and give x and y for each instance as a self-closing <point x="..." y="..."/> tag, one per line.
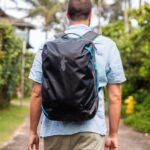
<point x="37" y="37"/>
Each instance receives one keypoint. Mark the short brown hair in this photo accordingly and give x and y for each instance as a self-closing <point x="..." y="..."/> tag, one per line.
<point x="79" y="9"/>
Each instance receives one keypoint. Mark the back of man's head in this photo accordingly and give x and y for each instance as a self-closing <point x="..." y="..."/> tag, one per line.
<point x="79" y="9"/>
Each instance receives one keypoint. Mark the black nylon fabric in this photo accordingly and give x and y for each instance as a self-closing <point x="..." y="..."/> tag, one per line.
<point x="69" y="80"/>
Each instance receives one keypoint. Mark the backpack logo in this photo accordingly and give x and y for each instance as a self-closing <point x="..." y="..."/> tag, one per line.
<point x="63" y="64"/>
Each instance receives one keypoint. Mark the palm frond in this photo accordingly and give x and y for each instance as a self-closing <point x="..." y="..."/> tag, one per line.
<point x="39" y="11"/>
<point x="20" y="9"/>
<point x="35" y="3"/>
<point x="53" y="10"/>
<point x="96" y="2"/>
<point x="45" y="2"/>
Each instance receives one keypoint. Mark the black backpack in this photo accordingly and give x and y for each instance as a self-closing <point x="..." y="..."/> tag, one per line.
<point x="69" y="83"/>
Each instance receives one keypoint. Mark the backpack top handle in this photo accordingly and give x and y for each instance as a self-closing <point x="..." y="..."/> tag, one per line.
<point x="90" y="35"/>
<point x="65" y="35"/>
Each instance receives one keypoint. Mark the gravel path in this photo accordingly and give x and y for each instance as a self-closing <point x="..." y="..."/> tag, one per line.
<point x="128" y="139"/>
<point x="132" y="140"/>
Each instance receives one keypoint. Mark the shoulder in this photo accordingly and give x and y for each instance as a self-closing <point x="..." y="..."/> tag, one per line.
<point x="105" y="45"/>
<point x="101" y="39"/>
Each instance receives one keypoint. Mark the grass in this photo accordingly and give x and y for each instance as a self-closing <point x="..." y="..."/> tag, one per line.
<point x="10" y="119"/>
<point x="27" y="99"/>
<point x="140" y="121"/>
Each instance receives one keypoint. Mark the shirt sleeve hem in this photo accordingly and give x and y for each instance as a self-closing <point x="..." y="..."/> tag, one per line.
<point x="35" y="80"/>
<point x="117" y="82"/>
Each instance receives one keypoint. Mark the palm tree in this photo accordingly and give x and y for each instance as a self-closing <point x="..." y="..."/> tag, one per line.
<point x="98" y="4"/>
<point x="45" y="8"/>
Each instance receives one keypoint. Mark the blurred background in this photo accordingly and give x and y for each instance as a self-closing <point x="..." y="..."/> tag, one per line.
<point x="26" y="24"/>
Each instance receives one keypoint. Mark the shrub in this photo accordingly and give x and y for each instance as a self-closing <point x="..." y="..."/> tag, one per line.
<point x="10" y="63"/>
<point x="146" y="103"/>
<point x="140" y="121"/>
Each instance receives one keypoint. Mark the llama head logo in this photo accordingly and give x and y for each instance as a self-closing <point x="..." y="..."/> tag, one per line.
<point x="63" y="63"/>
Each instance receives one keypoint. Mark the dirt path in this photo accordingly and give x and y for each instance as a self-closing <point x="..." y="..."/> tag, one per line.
<point x="131" y="140"/>
<point x="128" y="139"/>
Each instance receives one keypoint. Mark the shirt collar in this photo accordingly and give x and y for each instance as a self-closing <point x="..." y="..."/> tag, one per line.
<point x="79" y="26"/>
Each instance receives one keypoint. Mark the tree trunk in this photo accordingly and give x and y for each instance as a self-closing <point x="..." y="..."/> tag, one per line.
<point x="99" y="16"/>
<point x="140" y="3"/>
<point x="46" y="29"/>
<point x="1" y="39"/>
<point x="46" y="32"/>
<point x="129" y="3"/>
<point x="46" y="35"/>
<point x="129" y="8"/>
<point x="23" y="71"/>
<point x="126" y="24"/>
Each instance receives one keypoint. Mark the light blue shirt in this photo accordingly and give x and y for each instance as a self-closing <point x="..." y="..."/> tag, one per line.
<point x="110" y="70"/>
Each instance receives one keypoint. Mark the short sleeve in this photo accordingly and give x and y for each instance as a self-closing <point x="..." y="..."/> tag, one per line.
<point x="36" y="69"/>
<point x="115" y="72"/>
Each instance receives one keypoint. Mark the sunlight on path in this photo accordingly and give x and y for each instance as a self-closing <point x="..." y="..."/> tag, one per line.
<point x="128" y="139"/>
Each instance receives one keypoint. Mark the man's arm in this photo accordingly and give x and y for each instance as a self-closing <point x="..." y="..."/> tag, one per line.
<point x="114" y="96"/>
<point x="35" y="113"/>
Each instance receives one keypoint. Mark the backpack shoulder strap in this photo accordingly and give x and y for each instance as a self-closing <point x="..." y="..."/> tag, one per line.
<point x="91" y="35"/>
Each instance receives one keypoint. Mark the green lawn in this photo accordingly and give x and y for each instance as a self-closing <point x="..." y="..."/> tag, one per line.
<point x="27" y="99"/>
<point x="10" y="119"/>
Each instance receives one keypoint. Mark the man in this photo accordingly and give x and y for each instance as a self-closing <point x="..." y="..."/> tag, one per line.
<point x="89" y="135"/>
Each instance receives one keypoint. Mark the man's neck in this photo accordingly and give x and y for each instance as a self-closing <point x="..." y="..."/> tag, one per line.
<point x="86" y="22"/>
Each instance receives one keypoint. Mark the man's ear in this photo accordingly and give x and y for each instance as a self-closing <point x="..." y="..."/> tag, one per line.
<point x="90" y="14"/>
<point x="90" y="17"/>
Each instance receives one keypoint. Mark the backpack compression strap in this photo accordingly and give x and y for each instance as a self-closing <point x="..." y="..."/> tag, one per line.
<point x="91" y="36"/>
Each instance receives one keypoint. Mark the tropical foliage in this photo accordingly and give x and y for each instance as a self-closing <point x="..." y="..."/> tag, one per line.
<point x="135" y="51"/>
<point x="46" y="9"/>
<point x="9" y="63"/>
<point x="27" y="83"/>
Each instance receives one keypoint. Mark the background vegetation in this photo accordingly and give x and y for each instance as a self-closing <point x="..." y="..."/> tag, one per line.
<point x="10" y="65"/>
<point x="135" y="50"/>
<point x="133" y="42"/>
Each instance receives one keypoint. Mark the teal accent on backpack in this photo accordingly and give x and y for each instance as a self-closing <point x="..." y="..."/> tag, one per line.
<point x="89" y="50"/>
<point x="44" y="111"/>
<point x="94" y="65"/>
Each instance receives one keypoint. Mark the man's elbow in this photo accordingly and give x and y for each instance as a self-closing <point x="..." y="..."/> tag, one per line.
<point x="115" y="99"/>
<point x="35" y="95"/>
<point x="36" y="92"/>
